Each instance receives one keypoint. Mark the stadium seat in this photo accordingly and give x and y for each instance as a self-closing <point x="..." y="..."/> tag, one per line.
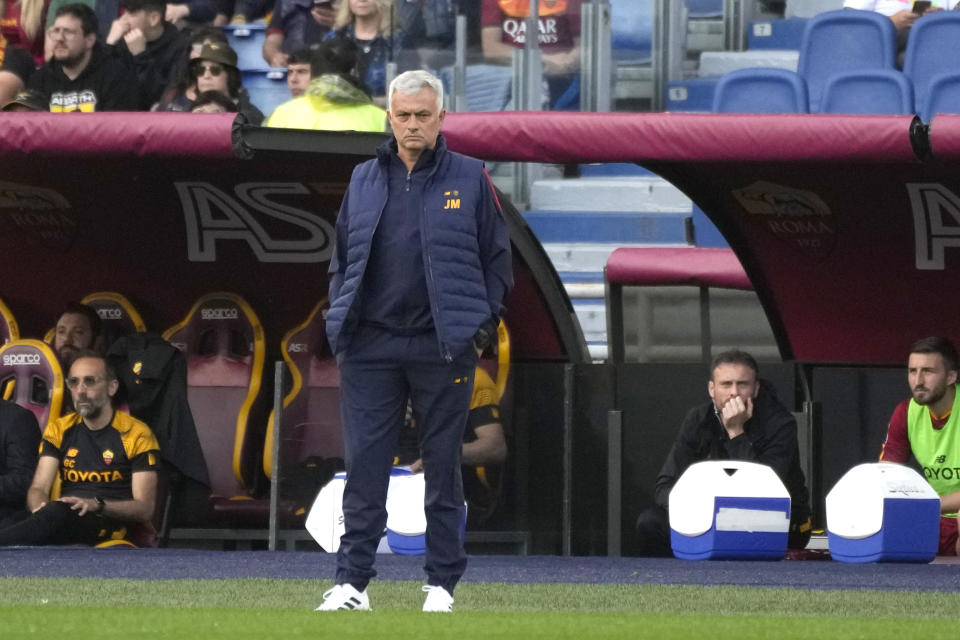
<point x="704" y="8"/>
<point x="488" y="86"/>
<point x="845" y="40"/>
<point x="932" y="50"/>
<point x="810" y="8"/>
<point x="36" y="377"/>
<point x="760" y="90"/>
<point x="224" y="346"/>
<point x="943" y="96"/>
<point x="695" y="94"/>
<point x="267" y="88"/>
<point x="8" y="325"/>
<point x="776" y="34"/>
<point x="874" y="91"/>
<point x="118" y="317"/>
<point x="311" y="410"/>
<point x="631" y="30"/>
<point x="247" y="40"/>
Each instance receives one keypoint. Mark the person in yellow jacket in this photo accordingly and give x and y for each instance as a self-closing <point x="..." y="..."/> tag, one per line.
<point x="335" y="100"/>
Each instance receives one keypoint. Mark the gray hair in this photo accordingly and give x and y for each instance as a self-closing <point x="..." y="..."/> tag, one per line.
<point x="410" y="82"/>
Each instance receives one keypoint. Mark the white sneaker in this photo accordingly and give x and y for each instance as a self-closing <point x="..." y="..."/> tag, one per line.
<point x="344" y="597"/>
<point x="438" y="599"/>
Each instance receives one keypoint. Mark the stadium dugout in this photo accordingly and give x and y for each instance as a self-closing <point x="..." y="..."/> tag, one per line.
<point x="845" y="226"/>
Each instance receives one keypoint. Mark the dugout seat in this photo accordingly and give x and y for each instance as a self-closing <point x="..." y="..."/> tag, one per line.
<point x="118" y="316"/>
<point x="760" y="90"/>
<point x="844" y="40"/>
<point x="869" y="91"/>
<point x="30" y="375"/>
<point x="8" y="325"/>
<point x="932" y="50"/>
<point x="224" y="346"/>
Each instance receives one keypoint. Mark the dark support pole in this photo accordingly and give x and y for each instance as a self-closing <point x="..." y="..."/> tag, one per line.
<point x="616" y="349"/>
<point x="568" y="405"/>
<point x="275" y="475"/>
<point x="706" y="337"/>
<point x="614" y="479"/>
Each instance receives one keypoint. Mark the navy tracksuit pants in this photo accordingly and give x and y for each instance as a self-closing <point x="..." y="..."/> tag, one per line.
<point x="378" y="372"/>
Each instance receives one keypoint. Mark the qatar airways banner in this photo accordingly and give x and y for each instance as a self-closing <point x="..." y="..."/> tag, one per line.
<point x="850" y="239"/>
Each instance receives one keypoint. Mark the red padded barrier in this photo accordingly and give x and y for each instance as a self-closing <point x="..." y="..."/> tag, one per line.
<point x="656" y="266"/>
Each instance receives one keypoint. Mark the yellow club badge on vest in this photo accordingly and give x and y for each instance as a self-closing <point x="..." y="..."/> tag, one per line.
<point x="108" y="457"/>
<point x="452" y="200"/>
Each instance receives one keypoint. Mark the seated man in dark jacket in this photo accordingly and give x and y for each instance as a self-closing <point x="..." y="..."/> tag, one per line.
<point x="743" y="421"/>
<point x="19" y="441"/>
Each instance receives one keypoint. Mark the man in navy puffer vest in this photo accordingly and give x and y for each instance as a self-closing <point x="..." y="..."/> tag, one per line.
<point x="417" y="281"/>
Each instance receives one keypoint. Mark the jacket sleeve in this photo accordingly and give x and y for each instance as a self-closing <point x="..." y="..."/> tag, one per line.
<point x="493" y="238"/>
<point x="682" y="454"/>
<point x="338" y="261"/>
<point x="20" y="443"/>
<point x="775" y="443"/>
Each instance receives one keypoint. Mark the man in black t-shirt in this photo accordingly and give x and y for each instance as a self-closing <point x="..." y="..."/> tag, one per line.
<point x="106" y="461"/>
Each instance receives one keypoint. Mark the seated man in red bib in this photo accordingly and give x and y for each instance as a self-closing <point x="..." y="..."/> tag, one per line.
<point x="928" y="427"/>
<point x="107" y="462"/>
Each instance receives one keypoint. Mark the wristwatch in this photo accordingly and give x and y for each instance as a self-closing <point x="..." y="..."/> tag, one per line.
<point x="101" y="505"/>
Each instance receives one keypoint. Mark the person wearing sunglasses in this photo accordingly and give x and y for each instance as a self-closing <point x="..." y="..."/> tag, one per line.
<point x="107" y="461"/>
<point x="215" y="69"/>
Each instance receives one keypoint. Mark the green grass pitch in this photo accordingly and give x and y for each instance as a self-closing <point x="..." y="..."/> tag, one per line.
<point x="81" y="608"/>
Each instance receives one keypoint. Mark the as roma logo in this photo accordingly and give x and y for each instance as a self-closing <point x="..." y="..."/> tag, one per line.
<point x="108" y="457"/>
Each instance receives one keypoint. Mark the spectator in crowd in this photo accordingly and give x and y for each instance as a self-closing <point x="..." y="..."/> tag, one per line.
<point x="26" y="101"/>
<point x="483" y="452"/>
<point x="107" y="11"/>
<point x="295" y="25"/>
<point x="409" y="313"/>
<point x="900" y="12"/>
<point x="214" y="102"/>
<point x="335" y="100"/>
<point x="23" y="24"/>
<point x="181" y="91"/>
<point x="298" y="72"/>
<point x="81" y="76"/>
<point x="927" y="427"/>
<point x="78" y="329"/>
<point x="215" y="69"/>
<point x="744" y="420"/>
<point x="504" y="29"/>
<point x="367" y="22"/>
<point x="245" y="11"/>
<point x="152" y="46"/>
<point x="19" y="440"/>
<point x="191" y="11"/>
<point x="16" y="67"/>
<point x="107" y="462"/>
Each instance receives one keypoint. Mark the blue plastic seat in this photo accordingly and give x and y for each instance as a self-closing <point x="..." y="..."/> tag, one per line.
<point x="704" y="8"/>
<point x="267" y="87"/>
<point x="247" y="41"/>
<point x="760" y="90"/>
<point x="874" y="91"/>
<point x="631" y="30"/>
<point x="846" y="40"/>
<point x="943" y="96"/>
<point x="932" y="50"/>
<point x="776" y="34"/>
<point x="695" y="94"/>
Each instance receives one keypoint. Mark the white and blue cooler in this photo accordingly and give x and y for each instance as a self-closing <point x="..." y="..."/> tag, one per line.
<point x="325" y="519"/>
<point x="883" y="512"/>
<point x="729" y="509"/>
<point x="406" y="520"/>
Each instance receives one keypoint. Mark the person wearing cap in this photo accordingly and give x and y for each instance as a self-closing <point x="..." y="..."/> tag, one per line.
<point x="216" y="70"/>
<point x="26" y="101"/>
<point x="81" y="76"/>
<point x="335" y="100"/>
<point x="151" y="45"/>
